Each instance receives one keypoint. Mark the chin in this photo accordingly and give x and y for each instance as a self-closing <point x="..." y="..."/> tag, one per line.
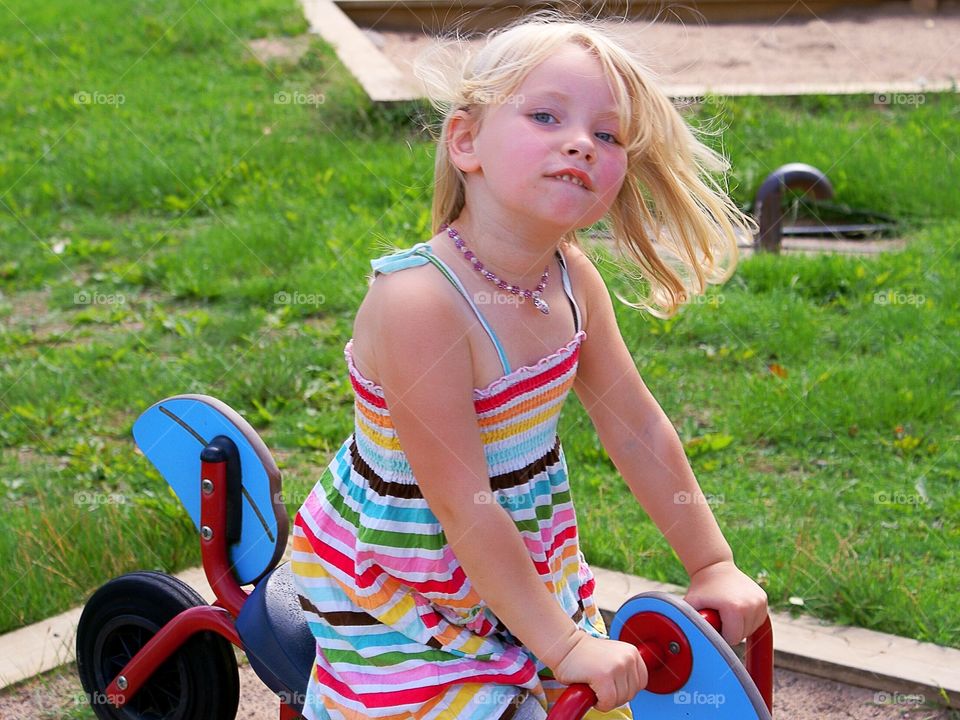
<point x="576" y="221"/>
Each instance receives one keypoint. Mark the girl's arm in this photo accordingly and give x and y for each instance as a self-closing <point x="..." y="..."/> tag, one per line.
<point x="425" y="366"/>
<point x="646" y="450"/>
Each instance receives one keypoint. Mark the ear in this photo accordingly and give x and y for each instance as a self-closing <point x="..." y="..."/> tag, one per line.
<point x="461" y="134"/>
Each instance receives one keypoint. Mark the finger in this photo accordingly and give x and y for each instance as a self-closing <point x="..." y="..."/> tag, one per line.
<point x="643" y="675"/>
<point x="608" y="702"/>
<point x="621" y="691"/>
<point x="635" y="686"/>
<point x="624" y="687"/>
<point x="754" y="617"/>
<point x="603" y="698"/>
<point x="762" y="615"/>
<point x="733" y="627"/>
<point x="763" y="610"/>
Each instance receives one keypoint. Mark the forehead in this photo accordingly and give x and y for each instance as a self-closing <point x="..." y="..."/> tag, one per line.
<point x="571" y="69"/>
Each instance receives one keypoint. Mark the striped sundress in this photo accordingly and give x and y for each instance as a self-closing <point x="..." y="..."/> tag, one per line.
<point x="400" y="631"/>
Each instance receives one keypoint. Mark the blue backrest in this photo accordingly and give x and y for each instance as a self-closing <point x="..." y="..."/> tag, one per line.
<point x="172" y="432"/>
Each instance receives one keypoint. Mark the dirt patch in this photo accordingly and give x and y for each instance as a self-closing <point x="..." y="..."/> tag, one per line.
<point x="796" y="696"/>
<point x="55" y="695"/>
<point x="885" y="47"/>
<point x="802" y="697"/>
<point x="289" y="49"/>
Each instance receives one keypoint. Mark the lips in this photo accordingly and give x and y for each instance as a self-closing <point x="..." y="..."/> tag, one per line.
<point x="573" y="176"/>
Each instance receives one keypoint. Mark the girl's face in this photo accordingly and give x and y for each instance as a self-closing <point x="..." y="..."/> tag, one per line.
<point x="551" y="151"/>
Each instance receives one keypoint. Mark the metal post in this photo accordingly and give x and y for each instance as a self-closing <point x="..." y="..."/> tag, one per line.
<point x="768" y="205"/>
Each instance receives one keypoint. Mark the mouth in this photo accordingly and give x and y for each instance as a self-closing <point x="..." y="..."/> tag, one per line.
<point x="574" y="177"/>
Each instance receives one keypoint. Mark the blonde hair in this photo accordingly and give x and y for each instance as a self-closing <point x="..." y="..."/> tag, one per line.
<point x="671" y="218"/>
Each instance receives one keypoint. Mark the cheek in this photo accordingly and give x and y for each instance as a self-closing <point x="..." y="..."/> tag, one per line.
<point x="507" y="151"/>
<point x="525" y="146"/>
<point x="614" y="174"/>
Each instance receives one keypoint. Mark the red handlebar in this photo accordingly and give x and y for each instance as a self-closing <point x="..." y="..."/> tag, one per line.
<point x="577" y="700"/>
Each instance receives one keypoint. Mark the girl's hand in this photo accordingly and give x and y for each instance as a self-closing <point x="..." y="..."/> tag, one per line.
<point x="612" y="669"/>
<point x="742" y="603"/>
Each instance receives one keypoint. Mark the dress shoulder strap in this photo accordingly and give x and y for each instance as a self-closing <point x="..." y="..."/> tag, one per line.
<point x="569" y="291"/>
<point x="422" y="253"/>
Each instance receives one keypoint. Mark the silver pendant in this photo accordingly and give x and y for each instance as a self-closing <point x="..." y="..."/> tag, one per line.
<point x="541" y="305"/>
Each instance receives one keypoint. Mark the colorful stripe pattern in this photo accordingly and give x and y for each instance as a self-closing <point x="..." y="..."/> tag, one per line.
<point x="400" y="631"/>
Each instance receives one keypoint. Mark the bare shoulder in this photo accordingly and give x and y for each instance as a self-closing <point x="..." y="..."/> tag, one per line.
<point x="401" y="312"/>
<point x="588" y="285"/>
<point x="578" y="261"/>
<point x="412" y="326"/>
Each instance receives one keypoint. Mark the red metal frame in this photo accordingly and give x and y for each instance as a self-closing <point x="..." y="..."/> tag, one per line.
<point x="166" y="642"/>
<point x="578" y="699"/>
<point x="214" y="550"/>
<point x="218" y="618"/>
<point x="288" y="713"/>
<point x="758" y="658"/>
<point x="759" y="661"/>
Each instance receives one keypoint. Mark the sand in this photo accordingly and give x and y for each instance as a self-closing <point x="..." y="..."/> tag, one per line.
<point x="889" y="50"/>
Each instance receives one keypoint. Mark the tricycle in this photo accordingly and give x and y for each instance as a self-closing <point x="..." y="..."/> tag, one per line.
<point x="150" y="647"/>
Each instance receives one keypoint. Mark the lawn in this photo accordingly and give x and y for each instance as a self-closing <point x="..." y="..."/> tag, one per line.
<point x="176" y="216"/>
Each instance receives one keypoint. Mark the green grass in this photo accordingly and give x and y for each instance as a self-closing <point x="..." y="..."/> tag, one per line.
<point x="836" y="483"/>
<point x="147" y="245"/>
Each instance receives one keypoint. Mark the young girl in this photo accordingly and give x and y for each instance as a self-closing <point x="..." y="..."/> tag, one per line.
<point x="437" y="558"/>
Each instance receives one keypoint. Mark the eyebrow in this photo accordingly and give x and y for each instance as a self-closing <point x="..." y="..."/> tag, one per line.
<point x="562" y="96"/>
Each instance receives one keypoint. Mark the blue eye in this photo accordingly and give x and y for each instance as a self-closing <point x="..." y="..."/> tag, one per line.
<point x="543" y="117"/>
<point x="608" y="138"/>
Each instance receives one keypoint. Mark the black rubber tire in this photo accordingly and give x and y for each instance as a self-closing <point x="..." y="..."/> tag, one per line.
<point x="198" y="682"/>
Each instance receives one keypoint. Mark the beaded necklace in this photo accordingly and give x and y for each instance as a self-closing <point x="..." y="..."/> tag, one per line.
<point x="535" y="294"/>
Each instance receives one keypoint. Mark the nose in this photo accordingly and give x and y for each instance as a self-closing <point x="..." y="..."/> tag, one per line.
<point x="580" y="144"/>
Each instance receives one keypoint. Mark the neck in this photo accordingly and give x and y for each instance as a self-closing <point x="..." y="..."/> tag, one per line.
<point x="516" y="254"/>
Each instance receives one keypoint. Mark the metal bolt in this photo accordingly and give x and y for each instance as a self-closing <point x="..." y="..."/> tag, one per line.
<point x="207" y="486"/>
<point x="206" y="532"/>
<point x="122" y="682"/>
<point x="674" y="647"/>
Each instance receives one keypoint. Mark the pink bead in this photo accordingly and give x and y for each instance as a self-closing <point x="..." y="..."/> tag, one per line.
<point x="502" y="284"/>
